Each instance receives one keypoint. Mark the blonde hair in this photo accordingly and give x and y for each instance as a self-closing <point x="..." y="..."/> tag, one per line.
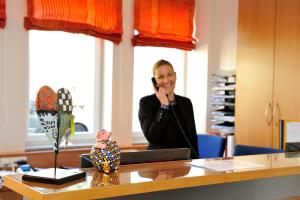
<point x="160" y="63"/>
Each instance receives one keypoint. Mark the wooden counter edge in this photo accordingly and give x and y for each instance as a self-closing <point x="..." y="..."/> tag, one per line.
<point x="19" y="187"/>
<point x="153" y="186"/>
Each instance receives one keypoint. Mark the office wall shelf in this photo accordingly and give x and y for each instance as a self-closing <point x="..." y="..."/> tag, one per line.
<point x="223" y="107"/>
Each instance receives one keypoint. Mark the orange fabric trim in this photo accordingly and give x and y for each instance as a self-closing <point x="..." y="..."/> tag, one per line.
<point x="139" y="41"/>
<point x="2" y="14"/>
<point x="167" y="23"/>
<point x="99" y="18"/>
<point x="48" y="25"/>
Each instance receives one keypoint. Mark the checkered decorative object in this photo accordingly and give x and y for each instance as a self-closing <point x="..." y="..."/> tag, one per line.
<point x="64" y="100"/>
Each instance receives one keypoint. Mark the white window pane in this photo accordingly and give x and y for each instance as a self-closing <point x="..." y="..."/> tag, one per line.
<point x="144" y="59"/>
<point x="60" y="59"/>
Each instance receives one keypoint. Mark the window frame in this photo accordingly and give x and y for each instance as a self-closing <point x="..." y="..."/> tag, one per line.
<point x="39" y="140"/>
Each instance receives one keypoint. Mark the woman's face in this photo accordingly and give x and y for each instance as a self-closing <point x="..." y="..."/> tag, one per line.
<point x="166" y="78"/>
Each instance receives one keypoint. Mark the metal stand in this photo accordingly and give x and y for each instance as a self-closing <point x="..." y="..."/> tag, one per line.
<point x="54" y="175"/>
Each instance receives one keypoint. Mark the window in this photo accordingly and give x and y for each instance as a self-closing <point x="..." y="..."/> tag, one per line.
<point x="83" y="65"/>
<point x="60" y="59"/>
<point x="143" y="86"/>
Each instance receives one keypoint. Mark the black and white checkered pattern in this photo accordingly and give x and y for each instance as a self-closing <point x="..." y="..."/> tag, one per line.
<point x="64" y="100"/>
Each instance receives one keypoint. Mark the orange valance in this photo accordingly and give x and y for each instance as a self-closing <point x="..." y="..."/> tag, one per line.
<point x="164" y="23"/>
<point x="99" y="18"/>
<point x="2" y="14"/>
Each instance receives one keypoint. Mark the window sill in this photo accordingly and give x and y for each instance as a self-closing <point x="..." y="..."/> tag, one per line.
<point x="140" y="146"/>
<point x="49" y="147"/>
<point x="40" y="141"/>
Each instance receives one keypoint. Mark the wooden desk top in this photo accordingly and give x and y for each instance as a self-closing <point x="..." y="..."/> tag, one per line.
<point x="151" y="177"/>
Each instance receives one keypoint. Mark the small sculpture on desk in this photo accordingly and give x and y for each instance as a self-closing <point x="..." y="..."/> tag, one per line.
<point x="105" y="154"/>
<point x="54" y="112"/>
<point x="102" y="137"/>
<point x="102" y="179"/>
<point x="106" y="167"/>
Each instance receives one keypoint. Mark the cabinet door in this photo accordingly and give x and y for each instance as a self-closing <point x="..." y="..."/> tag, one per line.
<point x="287" y="62"/>
<point x="255" y="64"/>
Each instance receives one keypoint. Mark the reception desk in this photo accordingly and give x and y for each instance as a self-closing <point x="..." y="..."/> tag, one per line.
<point x="272" y="176"/>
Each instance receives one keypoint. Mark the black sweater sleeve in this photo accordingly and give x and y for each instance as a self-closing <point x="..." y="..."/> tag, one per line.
<point x="153" y="119"/>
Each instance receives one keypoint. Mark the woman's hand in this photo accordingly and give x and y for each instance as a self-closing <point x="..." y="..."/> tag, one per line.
<point x="162" y="96"/>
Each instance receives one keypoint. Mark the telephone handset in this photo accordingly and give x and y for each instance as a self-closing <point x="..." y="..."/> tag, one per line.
<point x="154" y="83"/>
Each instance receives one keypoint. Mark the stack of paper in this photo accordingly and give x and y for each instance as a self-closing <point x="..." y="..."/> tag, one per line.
<point x="223" y="78"/>
<point x="224" y="118"/>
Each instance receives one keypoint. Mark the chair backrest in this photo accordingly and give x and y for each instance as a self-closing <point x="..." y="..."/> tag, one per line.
<point x="241" y="150"/>
<point x="211" y="146"/>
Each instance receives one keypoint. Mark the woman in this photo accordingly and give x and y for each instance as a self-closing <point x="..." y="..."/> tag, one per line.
<point x="167" y="119"/>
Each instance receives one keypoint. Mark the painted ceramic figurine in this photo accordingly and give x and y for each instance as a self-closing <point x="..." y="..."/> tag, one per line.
<point x="105" y="154"/>
<point x="102" y="137"/>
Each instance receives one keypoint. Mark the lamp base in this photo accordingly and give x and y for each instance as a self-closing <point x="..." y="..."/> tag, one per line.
<point x="48" y="176"/>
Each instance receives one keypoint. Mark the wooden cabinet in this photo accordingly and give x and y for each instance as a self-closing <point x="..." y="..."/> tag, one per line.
<point x="268" y="69"/>
<point x="287" y="62"/>
<point x="254" y="73"/>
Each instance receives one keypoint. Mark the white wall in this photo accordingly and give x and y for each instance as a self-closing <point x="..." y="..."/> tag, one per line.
<point x="222" y="40"/>
<point x="13" y="79"/>
<point x="197" y="66"/>
<point x="223" y="35"/>
<point x="122" y="83"/>
<point x="217" y="26"/>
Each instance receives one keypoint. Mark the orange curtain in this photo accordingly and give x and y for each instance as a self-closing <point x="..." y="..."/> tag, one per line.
<point x="99" y="18"/>
<point x="2" y="14"/>
<point x="164" y="23"/>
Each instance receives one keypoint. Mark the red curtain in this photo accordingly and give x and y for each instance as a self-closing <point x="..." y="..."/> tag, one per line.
<point x="2" y="14"/>
<point x="99" y="18"/>
<point x="164" y="23"/>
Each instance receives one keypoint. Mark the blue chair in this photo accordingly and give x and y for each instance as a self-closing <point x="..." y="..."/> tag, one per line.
<point x="211" y="146"/>
<point x="241" y="150"/>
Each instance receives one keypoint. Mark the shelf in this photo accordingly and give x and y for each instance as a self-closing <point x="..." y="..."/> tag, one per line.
<point x="223" y="107"/>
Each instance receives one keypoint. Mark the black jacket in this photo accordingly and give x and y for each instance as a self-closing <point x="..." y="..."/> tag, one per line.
<point x="161" y="128"/>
